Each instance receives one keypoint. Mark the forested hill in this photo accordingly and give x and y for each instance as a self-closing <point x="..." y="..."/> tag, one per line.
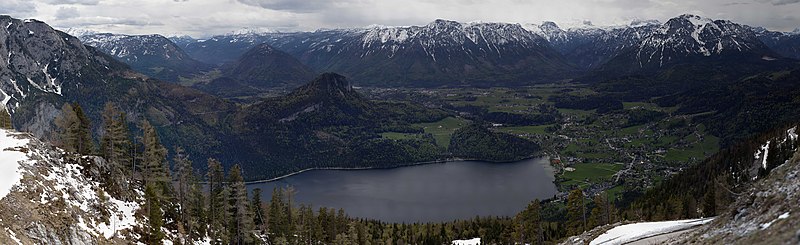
<point x="326" y="123"/>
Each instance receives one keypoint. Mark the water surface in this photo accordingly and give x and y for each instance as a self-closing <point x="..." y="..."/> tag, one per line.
<point x="424" y="193"/>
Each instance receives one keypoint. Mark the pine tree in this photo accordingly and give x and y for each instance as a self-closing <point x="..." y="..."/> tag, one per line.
<point x="115" y="146"/>
<point x="258" y="210"/>
<point x="241" y="227"/>
<point x="68" y="125"/>
<point x="84" y="144"/>
<point x="153" y="157"/>
<point x="576" y="213"/>
<point x="529" y="224"/>
<point x="155" y="218"/>
<point x="183" y="166"/>
<point x="5" y="118"/>
<point x="277" y="217"/>
<point x="601" y="211"/>
<point x="216" y="201"/>
<point x="195" y="211"/>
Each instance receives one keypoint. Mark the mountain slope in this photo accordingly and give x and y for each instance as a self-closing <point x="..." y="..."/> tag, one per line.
<point x="442" y="53"/>
<point x="266" y="67"/>
<point x="43" y="68"/>
<point x="783" y="43"/>
<point x="590" y="47"/>
<point x="65" y="200"/>
<point x="326" y="123"/>
<point x="152" y="55"/>
<point x="689" y="38"/>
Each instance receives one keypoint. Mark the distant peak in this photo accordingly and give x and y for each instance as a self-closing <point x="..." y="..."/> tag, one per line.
<point x="443" y="23"/>
<point x="550" y="24"/>
<point x="637" y="22"/>
<point x="796" y="31"/>
<point x="330" y="79"/>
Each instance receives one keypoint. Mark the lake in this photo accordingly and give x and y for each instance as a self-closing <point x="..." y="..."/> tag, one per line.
<point x="424" y="193"/>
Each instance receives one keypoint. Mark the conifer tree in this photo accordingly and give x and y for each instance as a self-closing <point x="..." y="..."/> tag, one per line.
<point x="115" y="146"/>
<point x="277" y="217"/>
<point x="68" y="125"/>
<point x="84" y="144"/>
<point x="529" y="224"/>
<point x="183" y="166"/>
<point x="601" y="212"/>
<point x="153" y="157"/>
<point x="576" y="213"/>
<point x="5" y="118"/>
<point x="258" y="210"/>
<point x="216" y="201"/>
<point x="196" y="210"/>
<point x="241" y="225"/>
<point x="155" y="218"/>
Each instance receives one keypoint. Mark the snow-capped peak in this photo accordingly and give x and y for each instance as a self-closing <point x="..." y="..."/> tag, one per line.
<point x="691" y="34"/>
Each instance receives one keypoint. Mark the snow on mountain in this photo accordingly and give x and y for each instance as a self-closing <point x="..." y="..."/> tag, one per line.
<point x="637" y="231"/>
<point x="786" y="44"/>
<point x="691" y="35"/>
<point x="152" y="55"/>
<point x="9" y="161"/>
<point x="590" y="46"/>
<point x="36" y="59"/>
<point x="68" y="200"/>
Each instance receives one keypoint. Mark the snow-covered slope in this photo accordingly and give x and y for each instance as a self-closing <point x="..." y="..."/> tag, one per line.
<point x="632" y="232"/>
<point x="767" y="212"/>
<point x="692" y="36"/>
<point x="53" y="199"/>
<point x="591" y="46"/>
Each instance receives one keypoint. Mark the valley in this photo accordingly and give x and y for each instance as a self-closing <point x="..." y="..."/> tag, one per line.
<point x="443" y="132"/>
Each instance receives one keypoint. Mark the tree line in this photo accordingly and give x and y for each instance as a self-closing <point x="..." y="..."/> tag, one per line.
<point x="217" y="206"/>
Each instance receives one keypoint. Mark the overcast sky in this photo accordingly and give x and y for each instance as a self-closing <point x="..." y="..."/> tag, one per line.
<point x="202" y="18"/>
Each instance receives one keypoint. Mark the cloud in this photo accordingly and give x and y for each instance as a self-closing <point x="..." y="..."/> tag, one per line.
<point x="17" y="7"/>
<point x="80" y="2"/>
<point x="779" y="2"/>
<point x="67" y="13"/>
<point x="297" y="6"/>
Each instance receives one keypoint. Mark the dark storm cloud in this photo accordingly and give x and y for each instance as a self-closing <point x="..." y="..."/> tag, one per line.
<point x="81" y="2"/>
<point x="67" y="13"/>
<point x="298" y="6"/>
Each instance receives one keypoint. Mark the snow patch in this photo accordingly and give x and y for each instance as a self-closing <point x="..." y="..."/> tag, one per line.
<point x="768" y="224"/>
<point x="633" y="232"/>
<point x="765" y="149"/>
<point x="9" y="160"/>
<point x="473" y="241"/>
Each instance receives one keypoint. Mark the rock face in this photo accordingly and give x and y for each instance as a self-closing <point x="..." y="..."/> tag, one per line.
<point x="60" y="199"/>
<point x="766" y="212"/>
<point x="152" y="55"/>
<point x="589" y="47"/>
<point x="442" y="53"/>
<point x="786" y="44"/>
<point x="38" y="61"/>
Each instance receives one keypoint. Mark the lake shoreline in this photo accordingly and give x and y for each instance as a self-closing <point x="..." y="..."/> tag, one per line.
<point x="374" y="168"/>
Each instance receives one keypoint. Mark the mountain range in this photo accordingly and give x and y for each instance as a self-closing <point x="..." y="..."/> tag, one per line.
<point x="152" y="55"/>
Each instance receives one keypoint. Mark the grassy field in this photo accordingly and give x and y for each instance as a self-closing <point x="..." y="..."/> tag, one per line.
<point x="443" y="130"/>
<point x="541" y="129"/>
<point x="699" y="150"/>
<point x="399" y="136"/>
<point x="586" y="173"/>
